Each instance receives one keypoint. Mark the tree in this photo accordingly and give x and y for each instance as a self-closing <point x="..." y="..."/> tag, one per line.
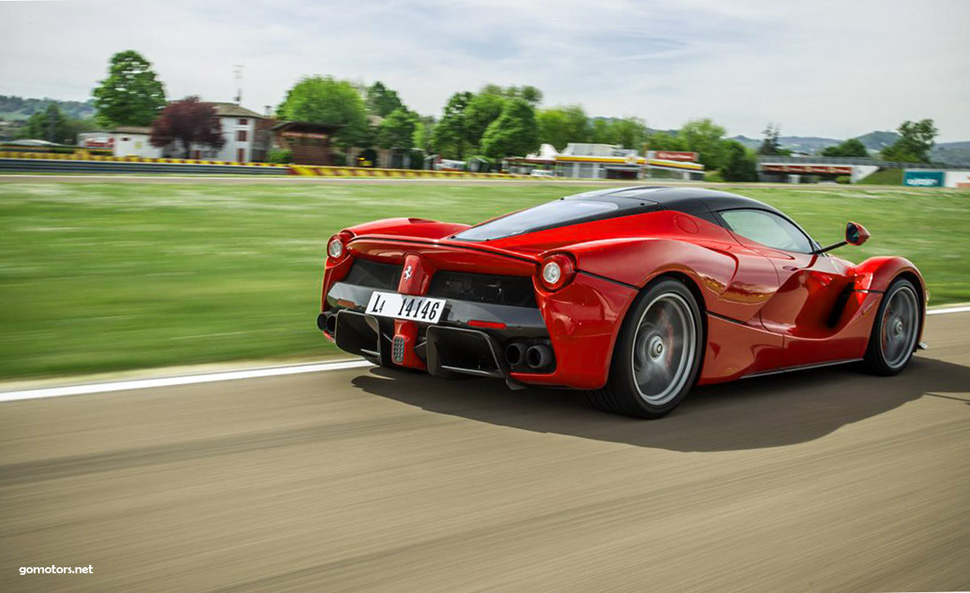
<point x="481" y="111"/>
<point x="53" y="126"/>
<point x="561" y="125"/>
<point x="851" y="147"/>
<point x="770" y="145"/>
<point x="424" y="132"/>
<point x="451" y="132"/>
<point x="381" y="100"/>
<point x="515" y="132"/>
<point x="602" y="131"/>
<point x="189" y="121"/>
<point x="325" y="100"/>
<point x="741" y="164"/>
<point x="705" y="138"/>
<point x="397" y="129"/>
<point x="660" y="140"/>
<point x="527" y="93"/>
<point x="629" y="132"/>
<point x="914" y="144"/>
<point x="131" y="95"/>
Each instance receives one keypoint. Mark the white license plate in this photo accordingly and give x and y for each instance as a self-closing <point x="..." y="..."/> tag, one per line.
<point x="402" y="306"/>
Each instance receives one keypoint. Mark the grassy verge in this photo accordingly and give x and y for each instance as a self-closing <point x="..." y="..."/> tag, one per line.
<point x="884" y="177"/>
<point x="104" y="277"/>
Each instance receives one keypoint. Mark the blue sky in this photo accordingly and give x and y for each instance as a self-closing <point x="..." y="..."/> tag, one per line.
<point x="826" y="68"/>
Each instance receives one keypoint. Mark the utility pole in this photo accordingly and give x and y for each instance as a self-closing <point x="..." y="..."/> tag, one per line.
<point x="238" y="72"/>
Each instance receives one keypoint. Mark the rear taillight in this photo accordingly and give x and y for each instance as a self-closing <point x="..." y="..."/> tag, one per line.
<point x="337" y="246"/>
<point x="556" y="271"/>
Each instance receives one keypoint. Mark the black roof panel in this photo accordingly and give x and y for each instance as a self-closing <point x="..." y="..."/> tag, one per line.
<point x="692" y="200"/>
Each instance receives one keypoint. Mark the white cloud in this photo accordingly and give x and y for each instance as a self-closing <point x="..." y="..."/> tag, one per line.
<point x="834" y="68"/>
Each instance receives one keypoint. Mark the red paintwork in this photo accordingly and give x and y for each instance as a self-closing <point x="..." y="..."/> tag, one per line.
<point x="764" y="309"/>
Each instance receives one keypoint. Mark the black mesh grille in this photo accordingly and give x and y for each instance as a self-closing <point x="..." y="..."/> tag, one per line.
<point x="374" y="274"/>
<point x="515" y="291"/>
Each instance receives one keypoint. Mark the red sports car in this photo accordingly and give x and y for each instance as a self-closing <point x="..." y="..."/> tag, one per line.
<point x="633" y="295"/>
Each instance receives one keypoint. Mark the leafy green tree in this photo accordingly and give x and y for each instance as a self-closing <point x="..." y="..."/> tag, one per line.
<point x="482" y="110"/>
<point x="629" y="132"/>
<point x="527" y="93"/>
<point x="601" y="132"/>
<point x="914" y="144"/>
<point x="515" y="132"/>
<point x="660" y="140"/>
<point x="451" y="132"/>
<point x="705" y="138"/>
<point x="424" y="133"/>
<point x="397" y="129"/>
<point x="770" y="144"/>
<point x="740" y="163"/>
<point x="561" y="125"/>
<point x="381" y="100"/>
<point x="851" y="147"/>
<point x="325" y="100"/>
<point x="131" y="95"/>
<point x="53" y="125"/>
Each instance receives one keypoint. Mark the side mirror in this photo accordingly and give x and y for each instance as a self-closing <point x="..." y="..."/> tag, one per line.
<point x="855" y="233"/>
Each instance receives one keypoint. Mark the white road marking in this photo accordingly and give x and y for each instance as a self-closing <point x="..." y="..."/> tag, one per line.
<point x="945" y="310"/>
<point x="296" y="369"/>
<point x="278" y="371"/>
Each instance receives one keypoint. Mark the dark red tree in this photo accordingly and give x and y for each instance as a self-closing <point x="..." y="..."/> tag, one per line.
<point x="188" y="121"/>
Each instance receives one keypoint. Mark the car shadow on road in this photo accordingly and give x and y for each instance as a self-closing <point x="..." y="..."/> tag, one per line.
<point x="753" y="413"/>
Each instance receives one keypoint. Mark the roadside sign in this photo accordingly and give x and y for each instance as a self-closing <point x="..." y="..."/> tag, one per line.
<point x="923" y="178"/>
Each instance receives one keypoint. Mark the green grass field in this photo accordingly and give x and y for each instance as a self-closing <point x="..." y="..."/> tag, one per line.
<point x="114" y="276"/>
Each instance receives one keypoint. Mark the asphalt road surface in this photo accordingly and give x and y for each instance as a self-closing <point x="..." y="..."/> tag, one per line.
<point x="361" y="480"/>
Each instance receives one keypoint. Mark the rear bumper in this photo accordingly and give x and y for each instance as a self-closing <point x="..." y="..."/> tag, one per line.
<point x="579" y="323"/>
<point x="451" y="347"/>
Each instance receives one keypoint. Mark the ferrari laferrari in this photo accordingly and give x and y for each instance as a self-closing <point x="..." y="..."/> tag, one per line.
<point x="632" y="295"/>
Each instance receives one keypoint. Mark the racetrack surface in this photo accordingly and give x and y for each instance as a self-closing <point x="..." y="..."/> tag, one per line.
<point x="364" y="479"/>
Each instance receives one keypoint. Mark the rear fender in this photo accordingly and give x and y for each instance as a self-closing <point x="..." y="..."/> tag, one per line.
<point x="714" y="269"/>
<point x="878" y="273"/>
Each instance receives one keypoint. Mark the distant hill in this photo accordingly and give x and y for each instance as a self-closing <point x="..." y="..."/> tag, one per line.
<point x="13" y="108"/>
<point x="956" y="154"/>
<point x="807" y="144"/>
<point x="877" y="140"/>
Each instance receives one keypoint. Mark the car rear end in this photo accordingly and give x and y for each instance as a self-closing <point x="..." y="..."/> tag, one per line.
<point x="456" y="308"/>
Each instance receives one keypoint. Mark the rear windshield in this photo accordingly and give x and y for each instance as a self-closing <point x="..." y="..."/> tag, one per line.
<point x="553" y="214"/>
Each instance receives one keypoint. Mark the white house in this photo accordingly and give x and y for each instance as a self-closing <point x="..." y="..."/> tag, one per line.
<point x="247" y="139"/>
<point x="240" y="128"/>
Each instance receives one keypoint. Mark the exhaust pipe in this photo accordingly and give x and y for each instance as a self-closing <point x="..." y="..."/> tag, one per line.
<point x="539" y="356"/>
<point x="515" y="353"/>
<point x="332" y="324"/>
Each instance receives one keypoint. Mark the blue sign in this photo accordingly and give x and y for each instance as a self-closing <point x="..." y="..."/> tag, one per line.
<point x="920" y="178"/>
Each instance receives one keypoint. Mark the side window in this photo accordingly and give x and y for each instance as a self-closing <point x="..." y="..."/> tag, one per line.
<point x="768" y="229"/>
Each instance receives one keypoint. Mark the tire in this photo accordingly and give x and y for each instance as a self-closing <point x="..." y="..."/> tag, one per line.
<point x="657" y="356"/>
<point x="895" y="330"/>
